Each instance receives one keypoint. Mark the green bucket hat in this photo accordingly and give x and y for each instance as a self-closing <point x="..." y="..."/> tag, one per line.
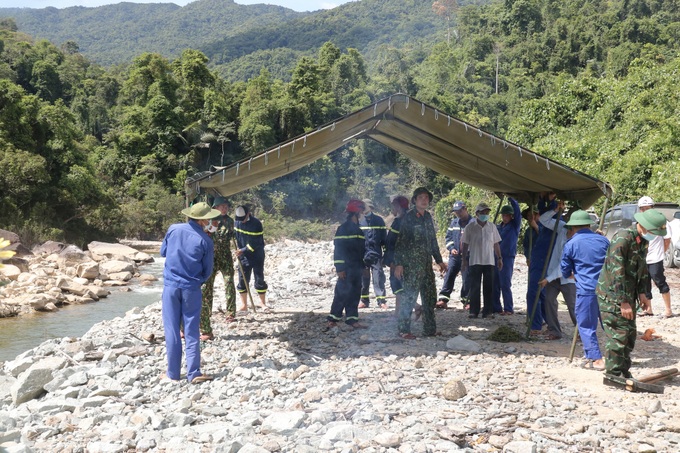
<point x="653" y="221"/>
<point x="220" y="200"/>
<point x="201" y="211"/>
<point x="579" y="218"/>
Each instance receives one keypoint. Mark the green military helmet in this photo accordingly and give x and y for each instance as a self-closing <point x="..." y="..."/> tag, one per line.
<point x="507" y="209"/>
<point x="579" y="218"/>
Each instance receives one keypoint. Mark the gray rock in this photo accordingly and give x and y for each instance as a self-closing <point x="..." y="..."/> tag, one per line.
<point x="519" y="446"/>
<point x="283" y="423"/>
<point x="31" y="382"/>
<point x="454" y="390"/>
<point x="460" y="343"/>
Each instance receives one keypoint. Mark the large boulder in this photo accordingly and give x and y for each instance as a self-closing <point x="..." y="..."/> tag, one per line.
<point x="48" y="248"/>
<point x="11" y="237"/>
<point x="31" y="382"/>
<point x="70" y="258"/>
<point x="88" y="270"/>
<point x="104" y="250"/>
<point x="10" y="272"/>
<point x="116" y="266"/>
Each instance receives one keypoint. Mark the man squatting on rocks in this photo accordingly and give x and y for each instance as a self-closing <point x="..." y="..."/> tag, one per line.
<point x="374" y="230"/>
<point x="624" y="281"/>
<point x="348" y="257"/>
<point x="454" y="234"/>
<point x="224" y="263"/>
<point x="582" y="257"/>
<point x="655" y="253"/>
<point x="250" y="251"/>
<point x="480" y="244"/>
<point x="508" y="229"/>
<point x="399" y="206"/>
<point x="413" y="253"/>
<point x="188" y="252"/>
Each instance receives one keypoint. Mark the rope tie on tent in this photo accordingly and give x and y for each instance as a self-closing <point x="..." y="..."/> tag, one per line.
<point x="223" y="175"/>
<point x="238" y="165"/>
<point x="436" y="114"/>
<point x="304" y="143"/>
<point x="266" y="158"/>
<point x="547" y="164"/>
<point x="332" y="128"/>
<point x="465" y="127"/>
<point x="422" y="109"/>
<point x="505" y="144"/>
<point x="520" y="151"/>
<point x="536" y="157"/>
<point x="408" y="99"/>
<point x="449" y="123"/>
<point x="479" y="131"/>
<point x="493" y="141"/>
<point x="249" y="162"/>
<point x="292" y="149"/>
<point x="375" y="109"/>
<point x="278" y="155"/>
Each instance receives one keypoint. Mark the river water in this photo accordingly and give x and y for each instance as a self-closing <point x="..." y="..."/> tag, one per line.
<point x="25" y="332"/>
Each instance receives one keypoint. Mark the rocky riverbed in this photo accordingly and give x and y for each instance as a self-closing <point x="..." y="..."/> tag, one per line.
<point x="283" y="382"/>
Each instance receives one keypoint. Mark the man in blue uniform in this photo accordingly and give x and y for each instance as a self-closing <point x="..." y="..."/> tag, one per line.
<point x="583" y="257"/>
<point x="374" y="230"/>
<point x="509" y="231"/>
<point x="188" y="252"/>
<point x="348" y="256"/>
<point x="250" y="251"/>
<point x="454" y="233"/>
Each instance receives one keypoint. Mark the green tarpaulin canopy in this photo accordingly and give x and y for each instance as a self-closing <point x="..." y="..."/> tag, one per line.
<point x="438" y="141"/>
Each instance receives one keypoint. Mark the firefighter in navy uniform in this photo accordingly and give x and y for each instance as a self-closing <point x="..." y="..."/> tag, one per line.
<point x="348" y="256"/>
<point x="375" y="232"/>
<point x="250" y="251"/>
<point x="453" y="236"/>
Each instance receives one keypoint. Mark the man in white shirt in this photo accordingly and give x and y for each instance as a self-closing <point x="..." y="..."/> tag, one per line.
<point x="480" y="243"/>
<point x="655" y="253"/>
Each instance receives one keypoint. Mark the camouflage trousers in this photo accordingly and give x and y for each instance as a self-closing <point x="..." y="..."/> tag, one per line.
<point x="620" y="334"/>
<point x="418" y="281"/>
<point x="227" y="271"/>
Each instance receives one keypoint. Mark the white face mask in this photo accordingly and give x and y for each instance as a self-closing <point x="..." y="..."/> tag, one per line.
<point x="210" y="227"/>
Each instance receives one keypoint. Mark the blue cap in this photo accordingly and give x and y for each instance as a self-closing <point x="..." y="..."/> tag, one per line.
<point x="458" y="205"/>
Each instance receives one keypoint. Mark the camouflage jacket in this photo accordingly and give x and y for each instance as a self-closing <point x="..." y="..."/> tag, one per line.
<point x="417" y="241"/>
<point x="624" y="274"/>
<point x="223" y="238"/>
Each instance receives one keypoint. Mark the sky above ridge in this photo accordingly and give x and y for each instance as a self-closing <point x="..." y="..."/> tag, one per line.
<point x="297" y="5"/>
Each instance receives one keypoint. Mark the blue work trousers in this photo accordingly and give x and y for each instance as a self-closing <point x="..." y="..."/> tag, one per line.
<point x="181" y="305"/>
<point x="535" y="273"/>
<point x="503" y="286"/>
<point x="450" y="279"/>
<point x="587" y="316"/>
<point x="346" y="297"/>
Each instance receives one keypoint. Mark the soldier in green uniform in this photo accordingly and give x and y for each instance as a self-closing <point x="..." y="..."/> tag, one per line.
<point x="413" y="253"/>
<point x="224" y="263"/>
<point x="622" y="283"/>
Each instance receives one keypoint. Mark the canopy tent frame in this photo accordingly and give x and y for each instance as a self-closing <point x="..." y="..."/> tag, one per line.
<point x="439" y="141"/>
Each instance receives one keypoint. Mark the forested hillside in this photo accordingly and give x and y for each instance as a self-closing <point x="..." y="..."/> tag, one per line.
<point x="89" y="151"/>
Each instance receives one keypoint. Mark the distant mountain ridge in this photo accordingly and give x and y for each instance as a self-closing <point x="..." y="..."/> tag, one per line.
<point x="238" y="39"/>
<point x="114" y="34"/>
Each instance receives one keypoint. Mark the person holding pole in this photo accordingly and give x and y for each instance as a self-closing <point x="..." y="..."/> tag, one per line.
<point x="250" y="252"/>
<point x="582" y="258"/>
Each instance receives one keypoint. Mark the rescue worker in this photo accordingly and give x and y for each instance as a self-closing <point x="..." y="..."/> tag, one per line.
<point x="622" y="285"/>
<point x="250" y="251"/>
<point x="582" y="257"/>
<point x="539" y="254"/>
<point x="454" y="233"/>
<point x="224" y="263"/>
<point x="508" y="229"/>
<point x="348" y="257"/>
<point x="374" y="230"/>
<point x="655" y="255"/>
<point x="480" y="244"/>
<point x="399" y="207"/>
<point x="189" y="256"/>
<point x="413" y="253"/>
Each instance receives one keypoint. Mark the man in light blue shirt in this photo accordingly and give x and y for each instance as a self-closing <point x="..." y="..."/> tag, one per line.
<point x="189" y="253"/>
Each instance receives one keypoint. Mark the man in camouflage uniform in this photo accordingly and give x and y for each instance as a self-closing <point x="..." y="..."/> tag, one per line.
<point x="224" y="263"/>
<point x="623" y="281"/>
<point x="413" y="253"/>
